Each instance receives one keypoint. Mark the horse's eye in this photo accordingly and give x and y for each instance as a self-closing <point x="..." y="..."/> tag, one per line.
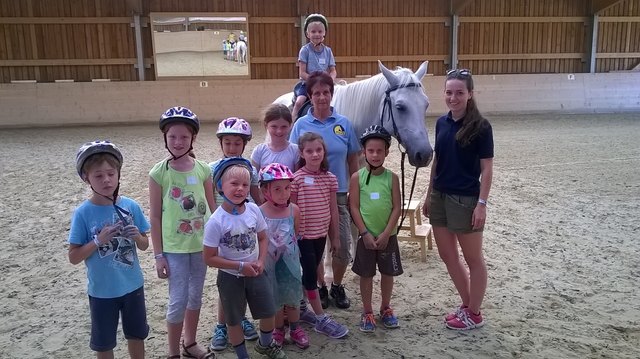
<point x="400" y="107"/>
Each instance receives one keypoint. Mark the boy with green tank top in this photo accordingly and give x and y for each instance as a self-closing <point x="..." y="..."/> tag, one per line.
<point x="375" y="208"/>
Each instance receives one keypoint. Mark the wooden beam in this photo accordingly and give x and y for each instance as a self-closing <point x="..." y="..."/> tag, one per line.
<point x="601" y="5"/>
<point x="527" y="56"/>
<point x="523" y="19"/>
<point x="67" y="20"/>
<point x="618" y="55"/>
<point x="458" y="5"/>
<point x="67" y="62"/>
<point x="344" y="59"/>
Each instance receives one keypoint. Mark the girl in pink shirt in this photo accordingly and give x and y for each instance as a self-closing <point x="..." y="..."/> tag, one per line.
<point x="314" y="190"/>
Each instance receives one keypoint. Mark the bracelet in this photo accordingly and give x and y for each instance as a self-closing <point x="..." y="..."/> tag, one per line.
<point x="158" y="256"/>
<point x="240" y="267"/>
<point x="482" y="201"/>
<point x="96" y="241"/>
<point x="363" y="233"/>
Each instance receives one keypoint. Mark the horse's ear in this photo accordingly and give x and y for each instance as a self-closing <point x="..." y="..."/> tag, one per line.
<point x="390" y="76"/>
<point x="422" y="70"/>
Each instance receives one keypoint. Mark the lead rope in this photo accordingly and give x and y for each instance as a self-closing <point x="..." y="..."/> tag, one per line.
<point x="387" y="101"/>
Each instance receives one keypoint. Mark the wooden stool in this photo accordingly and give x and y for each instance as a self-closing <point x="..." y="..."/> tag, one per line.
<point x="418" y="232"/>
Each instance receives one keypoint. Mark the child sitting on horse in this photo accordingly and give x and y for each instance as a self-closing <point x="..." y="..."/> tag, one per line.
<point x="313" y="56"/>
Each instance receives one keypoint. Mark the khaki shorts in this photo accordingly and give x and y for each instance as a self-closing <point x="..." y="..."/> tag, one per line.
<point x="452" y="211"/>
<point x="343" y="255"/>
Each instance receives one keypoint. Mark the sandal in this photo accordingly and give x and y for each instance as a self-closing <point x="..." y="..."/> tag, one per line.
<point x="187" y="354"/>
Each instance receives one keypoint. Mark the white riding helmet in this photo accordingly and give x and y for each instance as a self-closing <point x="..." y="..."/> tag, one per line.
<point x="234" y="126"/>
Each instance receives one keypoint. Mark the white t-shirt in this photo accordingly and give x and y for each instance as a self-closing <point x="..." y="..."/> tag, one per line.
<point x="262" y="155"/>
<point x="235" y="235"/>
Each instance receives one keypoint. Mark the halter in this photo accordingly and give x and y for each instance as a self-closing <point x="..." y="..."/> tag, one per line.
<point x="387" y="101"/>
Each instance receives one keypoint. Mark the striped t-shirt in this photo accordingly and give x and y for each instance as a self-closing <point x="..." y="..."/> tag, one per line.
<point x="314" y="194"/>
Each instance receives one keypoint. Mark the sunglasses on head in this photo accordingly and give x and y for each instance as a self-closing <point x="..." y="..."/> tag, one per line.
<point x="459" y="72"/>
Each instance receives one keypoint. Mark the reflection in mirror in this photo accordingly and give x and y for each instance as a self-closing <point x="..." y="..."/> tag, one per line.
<point x="200" y="44"/>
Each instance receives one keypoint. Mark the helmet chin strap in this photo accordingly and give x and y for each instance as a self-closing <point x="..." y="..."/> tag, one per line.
<point x="174" y="157"/>
<point x="234" y="210"/>
<point x="371" y="168"/>
<point x="119" y="210"/>
<point x="270" y="199"/>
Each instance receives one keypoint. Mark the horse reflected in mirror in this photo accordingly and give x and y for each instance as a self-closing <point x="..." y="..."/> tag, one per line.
<point x="241" y="52"/>
<point x="394" y="99"/>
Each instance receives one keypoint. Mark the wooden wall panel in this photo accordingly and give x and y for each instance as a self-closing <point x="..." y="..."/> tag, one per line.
<point x="495" y="36"/>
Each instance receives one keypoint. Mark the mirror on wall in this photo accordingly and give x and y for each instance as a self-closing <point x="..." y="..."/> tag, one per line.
<point x="200" y="45"/>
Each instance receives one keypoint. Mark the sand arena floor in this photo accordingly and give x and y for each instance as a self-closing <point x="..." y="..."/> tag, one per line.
<point x="561" y="243"/>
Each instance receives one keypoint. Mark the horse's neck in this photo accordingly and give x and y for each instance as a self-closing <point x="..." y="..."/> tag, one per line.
<point x="360" y="101"/>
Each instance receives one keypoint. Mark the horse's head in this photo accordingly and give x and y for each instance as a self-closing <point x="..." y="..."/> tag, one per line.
<point x="404" y="110"/>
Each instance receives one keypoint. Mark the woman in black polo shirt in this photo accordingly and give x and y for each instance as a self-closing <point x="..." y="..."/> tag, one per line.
<point x="456" y="201"/>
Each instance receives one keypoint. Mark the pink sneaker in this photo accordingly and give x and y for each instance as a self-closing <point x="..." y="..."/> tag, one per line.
<point x="278" y="336"/>
<point x="299" y="337"/>
<point x="465" y="321"/>
<point x="453" y="315"/>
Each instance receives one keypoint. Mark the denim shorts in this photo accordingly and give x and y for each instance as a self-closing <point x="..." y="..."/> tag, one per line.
<point x="452" y="211"/>
<point x="105" y="313"/>
<point x="300" y="89"/>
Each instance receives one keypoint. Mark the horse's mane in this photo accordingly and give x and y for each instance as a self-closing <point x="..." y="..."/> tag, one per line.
<point x="362" y="99"/>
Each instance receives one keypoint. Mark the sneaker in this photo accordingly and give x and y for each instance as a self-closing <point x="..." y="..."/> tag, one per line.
<point x="307" y="316"/>
<point x="278" y="336"/>
<point x="249" y="330"/>
<point x="300" y="338"/>
<point x="367" y="323"/>
<point x="220" y="338"/>
<point x="340" y="297"/>
<point x="272" y="351"/>
<point x="388" y="319"/>
<point x="453" y="315"/>
<point x="465" y="321"/>
<point x="330" y="328"/>
<point x="324" y="296"/>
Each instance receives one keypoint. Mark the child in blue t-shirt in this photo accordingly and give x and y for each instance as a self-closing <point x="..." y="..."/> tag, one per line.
<point x="105" y="231"/>
<point x="314" y="56"/>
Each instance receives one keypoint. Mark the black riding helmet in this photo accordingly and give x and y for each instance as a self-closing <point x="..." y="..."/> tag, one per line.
<point x="316" y="17"/>
<point x="376" y="131"/>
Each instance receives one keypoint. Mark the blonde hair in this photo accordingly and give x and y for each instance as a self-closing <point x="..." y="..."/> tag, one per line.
<point x="236" y="171"/>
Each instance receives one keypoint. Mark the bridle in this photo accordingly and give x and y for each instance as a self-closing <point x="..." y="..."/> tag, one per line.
<point x="401" y="146"/>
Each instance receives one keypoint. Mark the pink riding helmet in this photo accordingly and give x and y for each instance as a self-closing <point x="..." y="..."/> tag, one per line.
<point x="274" y="172"/>
<point x="234" y="126"/>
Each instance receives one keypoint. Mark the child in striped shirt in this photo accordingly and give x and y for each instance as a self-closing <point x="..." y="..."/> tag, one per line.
<point x="314" y="190"/>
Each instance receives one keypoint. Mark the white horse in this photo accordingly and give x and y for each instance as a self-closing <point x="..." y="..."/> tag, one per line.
<point x="393" y="99"/>
<point x="241" y="52"/>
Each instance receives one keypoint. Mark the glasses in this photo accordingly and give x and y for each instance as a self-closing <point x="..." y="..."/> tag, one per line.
<point x="459" y="73"/>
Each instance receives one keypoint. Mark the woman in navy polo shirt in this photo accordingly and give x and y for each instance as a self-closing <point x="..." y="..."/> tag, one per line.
<point x="456" y="201"/>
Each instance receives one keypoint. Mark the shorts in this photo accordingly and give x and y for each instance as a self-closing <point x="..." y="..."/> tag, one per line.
<point x="452" y="211"/>
<point x="343" y="255"/>
<point x="388" y="259"/>
<point x="236" y="292"/>
<point x="105" y="313"/>
<point x="311" y="251"/>
<point x="300" y="89"/>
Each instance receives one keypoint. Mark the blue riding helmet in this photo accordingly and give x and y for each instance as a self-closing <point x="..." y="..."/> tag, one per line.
<point x="224" y="164"/>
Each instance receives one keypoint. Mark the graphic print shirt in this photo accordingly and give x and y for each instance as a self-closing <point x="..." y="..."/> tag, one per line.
<point x="235" y="235"/>
<point x="184" y="206"/>
<point x="113" y="270"/>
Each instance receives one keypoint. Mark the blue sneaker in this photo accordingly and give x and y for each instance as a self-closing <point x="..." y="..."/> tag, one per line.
<point x="307" y="316"/>
<point x="330" y="328"/>
<point x="219" y="340"/>
<point x="367" y="323"/>
<point x="389" y="320"/>
<point x="249" y="330"/>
